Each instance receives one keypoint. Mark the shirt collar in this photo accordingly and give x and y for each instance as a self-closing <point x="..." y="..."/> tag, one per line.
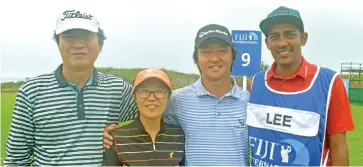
<point x="63" y="82"/>
<point x="201" y="91"/>
<point x="139" y="125"/>
<point x="301" y="72"/>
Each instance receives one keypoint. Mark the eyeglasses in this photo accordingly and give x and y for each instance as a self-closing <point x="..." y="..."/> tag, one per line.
<point x="158" y="93"/>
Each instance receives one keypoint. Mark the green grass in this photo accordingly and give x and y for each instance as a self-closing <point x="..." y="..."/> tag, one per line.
<point x="355" y="145"/>
<point x="354" y="137"/>
<point x="7" y="105"/>
<point x="177" y="79"/>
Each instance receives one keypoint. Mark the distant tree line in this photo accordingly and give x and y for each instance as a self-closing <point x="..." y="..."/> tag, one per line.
<point x="178" y="79"/>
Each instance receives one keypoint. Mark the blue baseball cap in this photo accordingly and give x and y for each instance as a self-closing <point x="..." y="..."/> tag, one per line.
<point x="281" y="15"/>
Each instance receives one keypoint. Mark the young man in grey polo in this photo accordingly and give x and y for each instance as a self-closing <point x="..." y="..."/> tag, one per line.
<point x="59" y="117"/>
<point x="212" y="111"/>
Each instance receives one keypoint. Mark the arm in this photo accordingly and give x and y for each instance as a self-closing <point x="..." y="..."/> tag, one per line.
<point x="246" y="145"/>
<point x="128" y="106"/>
<point x="19" y="147"/>
<point x="338" y="149"/>
<point x="170" y="115"/>
<point x="339" y="122"/>
<point x="110" y="157"/>
<point x="128" y="111"/>
<point x="107" y="138"/>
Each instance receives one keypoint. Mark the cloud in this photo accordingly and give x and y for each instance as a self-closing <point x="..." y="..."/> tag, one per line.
<point x="160" y="33"/>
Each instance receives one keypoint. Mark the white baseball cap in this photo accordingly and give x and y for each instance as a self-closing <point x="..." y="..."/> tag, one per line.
<point x="76" y="19"/>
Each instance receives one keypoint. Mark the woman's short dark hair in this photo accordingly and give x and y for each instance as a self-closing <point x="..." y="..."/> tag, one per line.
<point x="100" y="36"/>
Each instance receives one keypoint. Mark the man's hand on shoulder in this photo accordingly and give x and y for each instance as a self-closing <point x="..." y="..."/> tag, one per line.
<point x="107" y="138"/>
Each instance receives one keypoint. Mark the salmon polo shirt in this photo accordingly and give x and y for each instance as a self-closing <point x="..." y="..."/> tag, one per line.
<point x="339" y="113"/>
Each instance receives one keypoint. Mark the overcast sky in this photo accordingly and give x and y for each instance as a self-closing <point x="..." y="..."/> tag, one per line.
<point x="160" y="33"/>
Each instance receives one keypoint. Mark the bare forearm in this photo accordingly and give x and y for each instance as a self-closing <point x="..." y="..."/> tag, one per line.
<point x="338" y="150"/>
<point x="339" y="156"/>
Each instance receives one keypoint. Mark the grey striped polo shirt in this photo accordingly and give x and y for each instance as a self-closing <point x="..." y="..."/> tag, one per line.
<point x="58" y="123"/>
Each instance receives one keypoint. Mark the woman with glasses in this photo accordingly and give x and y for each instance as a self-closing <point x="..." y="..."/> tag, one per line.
<point x="148" y="140"/>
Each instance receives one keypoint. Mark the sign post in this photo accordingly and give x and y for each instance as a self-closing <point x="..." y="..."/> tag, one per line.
<point x="346" y="85"/>
<point x="248" y="58"/>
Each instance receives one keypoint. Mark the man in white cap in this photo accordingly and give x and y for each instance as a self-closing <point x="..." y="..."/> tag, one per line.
<point x="59" y="117"/>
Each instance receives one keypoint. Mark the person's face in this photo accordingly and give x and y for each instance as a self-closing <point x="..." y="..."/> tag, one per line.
<point x="152" y="97"/>
<point x="79" y="48"/>
<point x="215" y="59"/>
<point x="284" y="42"/>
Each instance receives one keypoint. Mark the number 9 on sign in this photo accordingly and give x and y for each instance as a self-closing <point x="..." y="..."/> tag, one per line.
<point x="246" y="59"/>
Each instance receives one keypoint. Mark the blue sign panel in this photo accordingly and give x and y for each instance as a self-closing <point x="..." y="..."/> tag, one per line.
<point x="248" y="60"/>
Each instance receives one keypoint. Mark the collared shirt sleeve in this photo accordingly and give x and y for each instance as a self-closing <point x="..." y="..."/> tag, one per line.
<point x="21" y="136"/>
<point x="110" y="157"/>
<point x="339" y="115"/>
<point x="128" y="106"/>
<point x="170" y="115"/>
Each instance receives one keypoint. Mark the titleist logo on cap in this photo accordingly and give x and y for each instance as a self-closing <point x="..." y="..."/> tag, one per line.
<point x="72" y="14"/>
<point x="201" y="34"/>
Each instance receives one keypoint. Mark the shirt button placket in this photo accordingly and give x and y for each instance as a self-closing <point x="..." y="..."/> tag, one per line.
<point x="218" y="109"/>
<point x="217" y="114"/>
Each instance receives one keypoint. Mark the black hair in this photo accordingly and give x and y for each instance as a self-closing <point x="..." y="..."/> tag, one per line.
<point x="195" y="58"/>
<point x="100" y="36"/>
